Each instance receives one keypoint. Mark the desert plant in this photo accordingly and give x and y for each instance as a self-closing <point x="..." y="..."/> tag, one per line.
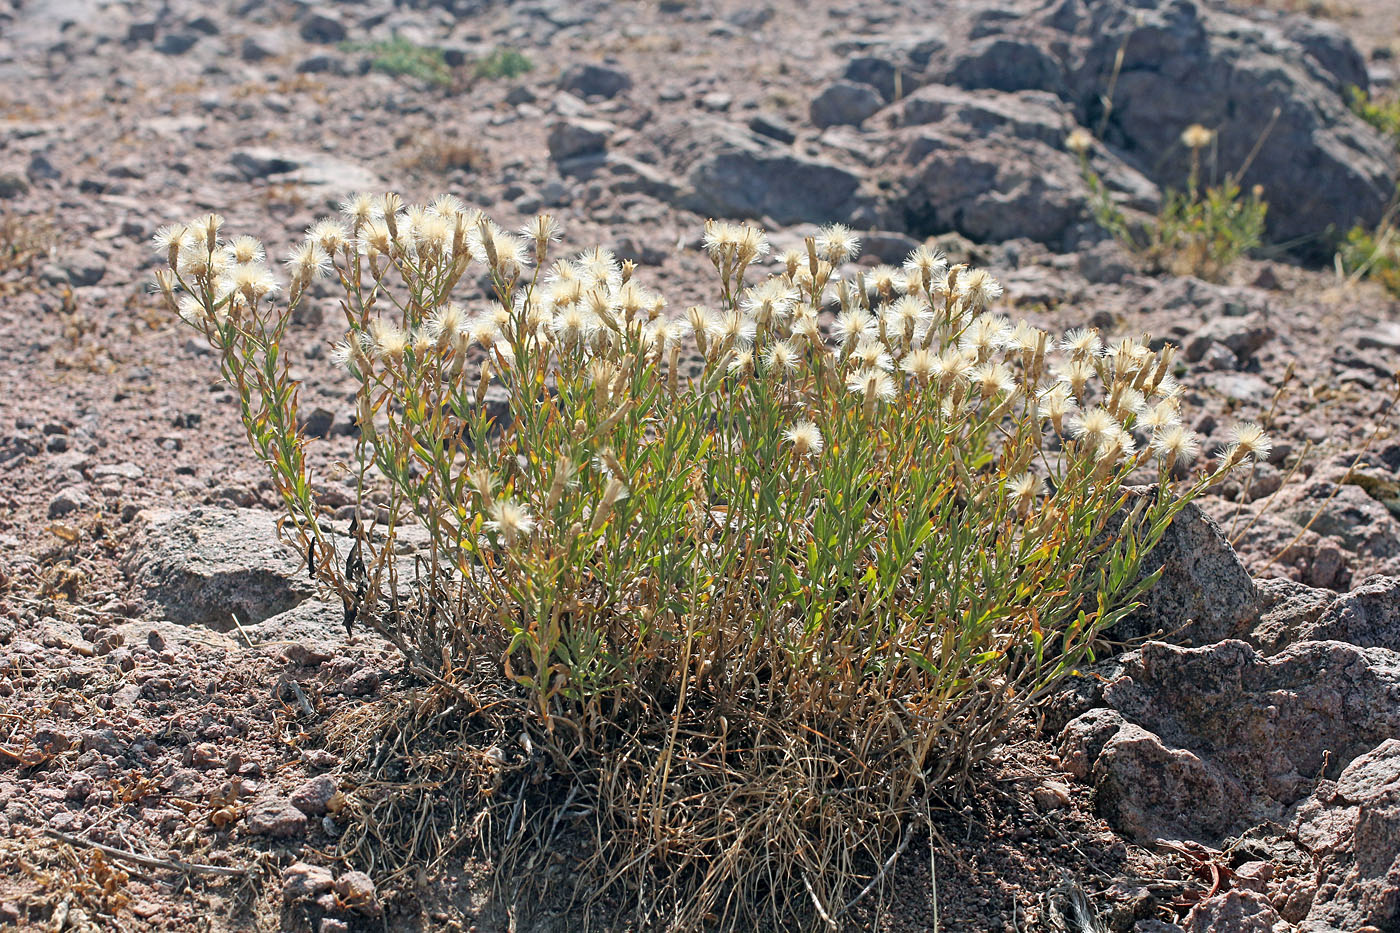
<point x="403" y="58"/>
<point x="1200" y="231"/>
<point x="1381" y="112"/>
<point x="441" y="153"/>
<point x="502" y="62"/>
<point x="760" y="588"/>
<point x="1374" y="255"/>
<point x="25" y="241"/>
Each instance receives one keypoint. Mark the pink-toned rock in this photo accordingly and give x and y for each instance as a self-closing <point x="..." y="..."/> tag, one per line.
<point x="314" y="796"/>
<point x="1352" y="830"/>
<point x="301" y="882"/>
<point x="1235" y="912"/>
<point x="275" y="817"/>
<point x="357" y="891"/>
<point x="1202" y="742"/>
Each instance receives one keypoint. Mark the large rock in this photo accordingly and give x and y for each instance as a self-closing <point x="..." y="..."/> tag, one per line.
<point x="313" y="169"/>
<point x="1363" y="525"/>
<point x="1287" y="608"/>
<point x="1201" y="742"/>
<point x="732" y="172"/>
<point x="1368" y="616"/>
<point x="1150" y="789"/>
<point x="1234" y="912"/>
<point x="1204" y="595"/>
<point x="590" y="80"/>
<point x="310" y="622"/>
<point x="1352" y="830"/>
<point x="1322" y="168"/>
<point x="845" y="103"/>
<point x="203" y="565"/>
<point x="992" y="165"/>
<point x="572" y="138"/>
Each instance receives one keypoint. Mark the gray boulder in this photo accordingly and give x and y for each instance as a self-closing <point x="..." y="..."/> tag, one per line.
<point x="1368" y="616"/>
<point x="1322" y="168"/>
<point x="201" y="566"/>
<point x="1287" y="608"/>
<point x="992" y="166"/>
<point x="1151" y="790"/>
<point x="1331" y="49"/>
<point x="731" y="172"/>
<point x="312" y="169"/>
<point x="1204" y="595"/>
<point x="1007" y="63"/>
<point x="1363" y="525"/>
<point x="1242" y="336"/>
<point x="1352" y="830"/>
<point x="575" y="137"/>
<point x="1202" y="742"/>
<point x="323" y="25"/>
<point x="589" y="80"/>
<point x="845" y="103"/>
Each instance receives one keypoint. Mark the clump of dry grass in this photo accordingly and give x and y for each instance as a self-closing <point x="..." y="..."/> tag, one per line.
<point x="742" y="625"/>
<point x="441" y="153"/>
<point x="26" y="240"/>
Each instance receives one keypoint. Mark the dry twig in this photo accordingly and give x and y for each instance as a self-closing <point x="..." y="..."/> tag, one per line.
<point x="146" y="860"/>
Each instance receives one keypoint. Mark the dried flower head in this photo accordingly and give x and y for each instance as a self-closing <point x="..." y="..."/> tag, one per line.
<point x="330" y="235"/>
<point x="978" y="289"/>
<point x="360" y="209"/>
<point x="246" y="249"/>
<point x="872" y="384"/>
<point x="387" y="341"/>
<point x="511" y="520"/>
<point x="1196" y="136"/>
<point x="1024" y="489"/>
<point x="1249" y="443"/>
<point x="925" y="264"/>
<point x="853" y="325"/>
<point x="1082" y="343"/>
<point x="781" y="356"/>
<point x="307" y="261"/>
<point x="1175" y="444"/>
<point x="1095" y="427"/>
<point x="921" y="364"/>
<point x="993" y="378"/>
<point x="871" y="353"/>
<point x="805" y="438"/>
<point x="543" y="229"/>
<point x="1079" y="141"/>
<point x="837" y="244"/>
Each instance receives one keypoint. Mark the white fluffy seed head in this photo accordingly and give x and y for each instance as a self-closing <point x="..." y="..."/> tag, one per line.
<point x="805" y="438"/>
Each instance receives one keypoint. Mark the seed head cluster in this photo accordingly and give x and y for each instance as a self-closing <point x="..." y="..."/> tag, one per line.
<point x="888" y="336"/>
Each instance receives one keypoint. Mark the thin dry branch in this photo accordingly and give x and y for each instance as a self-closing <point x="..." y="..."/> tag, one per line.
<point x="146" y="860"/>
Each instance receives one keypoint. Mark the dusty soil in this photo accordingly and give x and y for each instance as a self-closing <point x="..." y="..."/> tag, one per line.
<point x="156" y="739"/>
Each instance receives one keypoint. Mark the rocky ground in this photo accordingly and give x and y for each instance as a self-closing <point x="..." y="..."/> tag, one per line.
<point x="169" y="674"/>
